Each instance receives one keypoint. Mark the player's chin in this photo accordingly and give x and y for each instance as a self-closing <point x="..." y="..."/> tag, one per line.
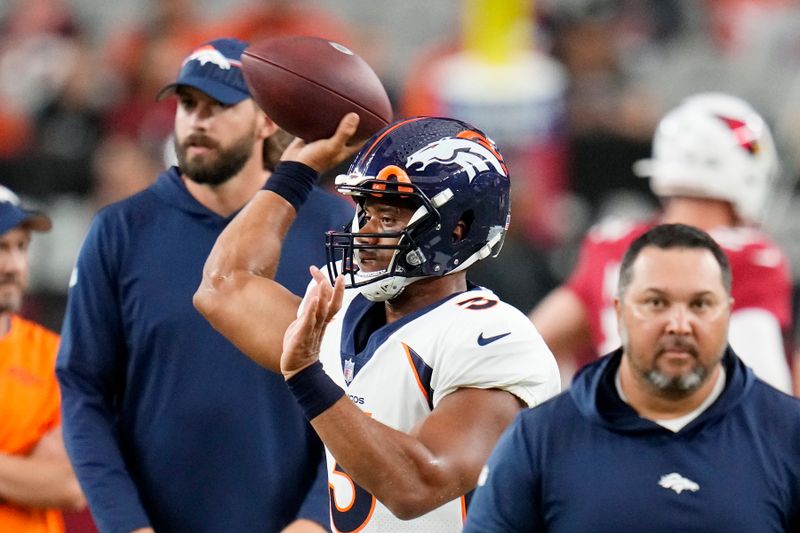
<point x="371" y="266"/>
<point x="366" y="270"/>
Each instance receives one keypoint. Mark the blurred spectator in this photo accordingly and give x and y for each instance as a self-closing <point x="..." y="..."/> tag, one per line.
<point x="140" y="59"/>
<point x="174" y="23"/>
<point x="66" y="133"/>
<point x="45" y="79"/>
<point x="253" y="20"/>
<point x="490" y="75"/>
<point x="15" y="132"/>
<point x="36" y="480"/>
<point x="743" y="47"/>
<point x="122" y="167"/>
<point x="37" y="53"/>
<point x="610" y="116"/>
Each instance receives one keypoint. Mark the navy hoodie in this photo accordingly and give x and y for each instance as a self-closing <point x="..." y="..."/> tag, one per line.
<point x="585" y="461"/>
<point x="165" y="421"/>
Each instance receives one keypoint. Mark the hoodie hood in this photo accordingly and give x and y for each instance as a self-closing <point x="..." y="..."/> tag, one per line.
<point x="595" y="396"/>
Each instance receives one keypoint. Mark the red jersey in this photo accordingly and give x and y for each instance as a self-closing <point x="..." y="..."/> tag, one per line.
<point x="760" y="269"/>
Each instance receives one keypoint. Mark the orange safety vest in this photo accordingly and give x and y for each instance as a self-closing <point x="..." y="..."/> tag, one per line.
<point x="29" y="408"/>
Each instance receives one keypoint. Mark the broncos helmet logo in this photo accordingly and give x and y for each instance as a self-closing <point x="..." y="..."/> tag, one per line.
<point x="209" y="54"/>
<point x="468" y="154"/>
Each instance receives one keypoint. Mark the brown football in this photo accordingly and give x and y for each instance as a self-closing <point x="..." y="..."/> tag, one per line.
<point x="307" y="84"/>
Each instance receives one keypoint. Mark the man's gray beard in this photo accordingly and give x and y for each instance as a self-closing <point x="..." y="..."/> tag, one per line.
<point x="679" y="386"/>
<point x="674" y="388"/>
<point x="229" y="162"/>
<point x="682" y="386"/>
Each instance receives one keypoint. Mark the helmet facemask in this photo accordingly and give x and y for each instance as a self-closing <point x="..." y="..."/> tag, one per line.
<point x="404" y="266"/>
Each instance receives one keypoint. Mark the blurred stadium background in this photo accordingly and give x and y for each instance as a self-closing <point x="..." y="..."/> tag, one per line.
<point x="570" y="89"/>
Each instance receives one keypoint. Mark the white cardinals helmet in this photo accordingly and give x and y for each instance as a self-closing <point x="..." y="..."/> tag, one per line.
<point x="714" y="145"/>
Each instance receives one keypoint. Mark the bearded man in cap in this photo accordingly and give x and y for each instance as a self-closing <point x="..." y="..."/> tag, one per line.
<point x="169" y="427"/>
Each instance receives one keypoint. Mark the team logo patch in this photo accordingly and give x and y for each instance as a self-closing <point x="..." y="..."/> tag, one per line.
<point x="8" y="197"/>
<point x="471" y="156"/>
<point x="349" y="370"/>
<point x="483" y="341"/>
<point x="209" y="54"/>
<point x="678" y="483"/>
<point x="745" y="136"/>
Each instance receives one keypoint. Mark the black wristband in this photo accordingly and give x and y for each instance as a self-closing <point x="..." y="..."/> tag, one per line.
<point x="292" y="181"/>
<point x="314" y="390"/>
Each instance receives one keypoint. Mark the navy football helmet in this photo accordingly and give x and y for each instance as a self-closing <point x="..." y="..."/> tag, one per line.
<point x="448" y="171"/>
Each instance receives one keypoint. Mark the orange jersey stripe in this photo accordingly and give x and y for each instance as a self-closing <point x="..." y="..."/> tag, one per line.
<point x="416" y="374"/>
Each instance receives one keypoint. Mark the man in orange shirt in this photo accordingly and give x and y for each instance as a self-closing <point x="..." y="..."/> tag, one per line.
<point x="36" y="479"/>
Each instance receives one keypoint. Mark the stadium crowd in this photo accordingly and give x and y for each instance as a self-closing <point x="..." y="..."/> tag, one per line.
<point x="571" y="91"/>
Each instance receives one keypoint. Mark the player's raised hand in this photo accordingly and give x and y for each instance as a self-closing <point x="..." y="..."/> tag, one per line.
<point x="303" y="337"/>
<point x="325" y="153"/>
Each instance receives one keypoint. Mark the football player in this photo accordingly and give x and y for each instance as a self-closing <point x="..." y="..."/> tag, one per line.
<point x="713" y="163"/>
<point x="407" y="371"/>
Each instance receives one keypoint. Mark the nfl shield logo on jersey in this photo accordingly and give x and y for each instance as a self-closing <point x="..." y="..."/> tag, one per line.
<point x="349" y="369"/>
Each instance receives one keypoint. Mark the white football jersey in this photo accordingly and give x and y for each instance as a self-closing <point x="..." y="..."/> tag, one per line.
<point x="471" y="339"/>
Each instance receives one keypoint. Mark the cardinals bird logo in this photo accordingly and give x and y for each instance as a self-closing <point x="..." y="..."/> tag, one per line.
<point x="744" y="134"/>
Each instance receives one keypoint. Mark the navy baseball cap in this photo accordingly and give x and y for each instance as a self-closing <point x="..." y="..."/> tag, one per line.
<point x="12" y="214"/>
<point x="214" y="68"/>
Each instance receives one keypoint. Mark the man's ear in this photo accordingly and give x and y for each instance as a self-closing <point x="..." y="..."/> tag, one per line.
<point x="460" y="231"/>
<point x="462" y="226"/>
<point x="618" y="312"/>
<point x="266" y="126"/>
